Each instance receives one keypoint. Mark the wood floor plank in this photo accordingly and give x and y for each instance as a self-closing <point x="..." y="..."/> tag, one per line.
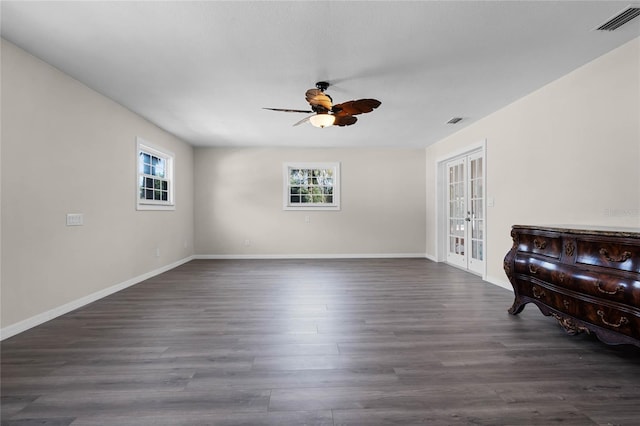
<point x="317" y="342"/>
<point x="285" y="418"/>
<point x="512" y="415"/>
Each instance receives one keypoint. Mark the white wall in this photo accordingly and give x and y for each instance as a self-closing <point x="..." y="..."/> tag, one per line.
<point x="67" y="149"/>
<point x="568" y="153"/>
<point x="238" y="197"/>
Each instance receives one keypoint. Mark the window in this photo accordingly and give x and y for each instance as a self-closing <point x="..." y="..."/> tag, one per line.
<point x="312" y="186"/>
<point x="154" y="178"/>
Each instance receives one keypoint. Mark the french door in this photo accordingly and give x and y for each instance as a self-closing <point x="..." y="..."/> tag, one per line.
<point x="465" y="212"/>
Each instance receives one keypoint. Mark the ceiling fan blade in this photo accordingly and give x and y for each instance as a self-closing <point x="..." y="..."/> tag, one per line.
<point x="344" y="120"/>
<point x="304" y="120"/>
<point x="289" y="110"/>
<point x="318" y="100"/>
<point x="356" y="107"/>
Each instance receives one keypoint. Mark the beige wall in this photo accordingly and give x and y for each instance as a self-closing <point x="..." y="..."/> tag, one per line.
<point x="67" y="149"/>
<point x="568" y="153"/>
<point x="239" y="197"/>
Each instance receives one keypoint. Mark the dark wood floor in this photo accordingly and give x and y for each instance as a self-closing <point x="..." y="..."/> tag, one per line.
<point x="314" y="342"/>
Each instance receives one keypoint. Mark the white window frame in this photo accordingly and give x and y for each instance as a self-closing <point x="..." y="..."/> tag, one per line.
<point x="286" y="170"/>
<point x="143" y="146"/>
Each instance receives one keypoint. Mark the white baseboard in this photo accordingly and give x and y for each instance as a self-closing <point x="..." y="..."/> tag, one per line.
<point x="310" y="256"/>
<point x="500" y="282"/>
<point x="431" y="258"/>
<point x="36" y="320"/>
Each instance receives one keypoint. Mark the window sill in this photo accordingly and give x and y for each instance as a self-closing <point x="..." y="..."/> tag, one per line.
<point x="155" y="207"/>
<point x="316" y="208"/>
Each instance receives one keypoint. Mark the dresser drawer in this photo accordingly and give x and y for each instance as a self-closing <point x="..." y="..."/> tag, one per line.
<point x="540" y="244"/>
<point x="625" y="322"/>
<point x="608" y="317"/>
<point x="608" y="254"/>
<point x="548" y="297"/>
<point x="620" y="287"/>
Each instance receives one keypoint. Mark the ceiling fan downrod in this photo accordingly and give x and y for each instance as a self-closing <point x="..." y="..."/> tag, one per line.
<point x="322" y="85"/>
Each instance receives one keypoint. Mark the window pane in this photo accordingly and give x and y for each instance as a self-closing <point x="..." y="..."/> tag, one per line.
<point x="164" y="185"/>
<point x="160" y="167"/>
<point x="460" y="246"/>
<point x="477" y="208"/>
<point x="295" y="198"/>
<point x="165" y="196"/>
<point x="297" y="176"/>
<point x="149" y="183"/>
<point x="154" y="161"/>
<point x="148" y="194"/>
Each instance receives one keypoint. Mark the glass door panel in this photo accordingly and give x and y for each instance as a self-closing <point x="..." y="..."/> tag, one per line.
<point x="456" y="253"/>
<point x="466" y="216"/>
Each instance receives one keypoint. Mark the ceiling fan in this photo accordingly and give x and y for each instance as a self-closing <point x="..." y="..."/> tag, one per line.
<point x="326" y="114"/>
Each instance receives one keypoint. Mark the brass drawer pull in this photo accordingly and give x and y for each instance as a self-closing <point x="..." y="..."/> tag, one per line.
<point x="539" y="245"/>
<point x="533" y="269"/>
<point x="625" y="256"/>
<point x="623" y="320"/>
<point x="598" y="284"/>
<point x="537" y="294"/>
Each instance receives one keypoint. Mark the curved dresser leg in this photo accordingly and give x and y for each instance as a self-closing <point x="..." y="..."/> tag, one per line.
<point x="517" y="306"/>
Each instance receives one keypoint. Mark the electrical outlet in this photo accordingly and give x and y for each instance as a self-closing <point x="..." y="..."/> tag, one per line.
<point x="247" y="243"/>
<point x="75" y="219"/>
<point x="307" y="219"/>
<point x="157" y="251"/>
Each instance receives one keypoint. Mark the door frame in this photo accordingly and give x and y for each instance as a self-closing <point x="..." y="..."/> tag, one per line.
<point x="441" y="199"/>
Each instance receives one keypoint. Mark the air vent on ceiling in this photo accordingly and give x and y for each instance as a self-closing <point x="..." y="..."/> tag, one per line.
<point x="454" y="120"/>
<point x="620" y="19"/>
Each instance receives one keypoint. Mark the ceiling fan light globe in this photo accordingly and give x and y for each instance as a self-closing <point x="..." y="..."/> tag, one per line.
<point x="322" y="120"/>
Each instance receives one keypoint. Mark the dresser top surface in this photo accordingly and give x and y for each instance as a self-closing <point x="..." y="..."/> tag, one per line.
<point x="628" y="232"/>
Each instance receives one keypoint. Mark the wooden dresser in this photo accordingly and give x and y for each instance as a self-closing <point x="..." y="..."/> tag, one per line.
<point x="587" y="278"/>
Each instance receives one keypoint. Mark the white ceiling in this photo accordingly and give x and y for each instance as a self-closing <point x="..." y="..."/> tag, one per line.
<point x="203" y="70"/>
